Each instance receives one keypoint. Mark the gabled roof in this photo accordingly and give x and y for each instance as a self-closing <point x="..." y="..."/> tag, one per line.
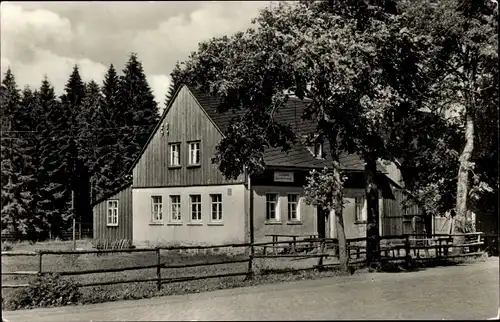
<point x="160" y="122"/>
<point x="297" y="157"/>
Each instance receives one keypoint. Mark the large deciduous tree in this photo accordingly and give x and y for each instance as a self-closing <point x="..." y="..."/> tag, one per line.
<point x="352" y="59"/>
<point x="464" y="66"/>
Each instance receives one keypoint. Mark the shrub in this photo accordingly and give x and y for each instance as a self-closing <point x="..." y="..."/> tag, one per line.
<point x="7" y="246"/>
<point x="45" y="291"/>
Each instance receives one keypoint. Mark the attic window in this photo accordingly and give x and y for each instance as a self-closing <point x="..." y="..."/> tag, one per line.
<point x="318" y="150"/>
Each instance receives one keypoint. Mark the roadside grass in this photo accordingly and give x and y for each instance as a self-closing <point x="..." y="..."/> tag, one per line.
<point x="267" y="270"/>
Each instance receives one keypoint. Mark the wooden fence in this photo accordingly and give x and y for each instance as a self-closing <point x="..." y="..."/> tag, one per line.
<point x="84" y="233"/>
<point x="391" y="248"/>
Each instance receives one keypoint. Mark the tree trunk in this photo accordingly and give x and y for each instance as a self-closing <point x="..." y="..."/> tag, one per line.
<point x="343" y="253"/>
<point x="463" y="174"/>
<point x="372" y="220"/>
<point x="339" y="203"/>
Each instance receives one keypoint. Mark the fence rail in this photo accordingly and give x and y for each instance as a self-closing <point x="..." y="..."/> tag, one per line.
<point x="442" y="245"/>
<point x="84" y="233"/>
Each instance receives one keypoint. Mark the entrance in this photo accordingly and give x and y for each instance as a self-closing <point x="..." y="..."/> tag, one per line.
<point x="323" y="223"/>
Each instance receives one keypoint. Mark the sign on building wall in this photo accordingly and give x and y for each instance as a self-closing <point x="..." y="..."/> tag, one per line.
<point x="283" y="176"/>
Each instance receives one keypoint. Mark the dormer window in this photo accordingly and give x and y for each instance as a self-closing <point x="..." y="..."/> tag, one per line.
<point x="318" y="150"/>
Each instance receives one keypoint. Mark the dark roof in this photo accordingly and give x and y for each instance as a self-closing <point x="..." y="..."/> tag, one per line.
<point x="298" y="155"/>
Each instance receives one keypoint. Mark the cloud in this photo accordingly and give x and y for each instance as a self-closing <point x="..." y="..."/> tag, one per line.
<point x="159" y="84"/>
<point x="57" y="68"/>
<point x="41" y="38"/>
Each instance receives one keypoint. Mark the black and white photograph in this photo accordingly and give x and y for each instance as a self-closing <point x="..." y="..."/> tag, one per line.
<point x="249" y="160"/>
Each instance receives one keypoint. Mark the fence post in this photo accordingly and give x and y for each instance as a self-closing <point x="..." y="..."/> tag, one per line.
<point x="447" y="246"/>
<point x="158" y="268"/>
<point x="438" y="251"/>
<point x="407" y="251"/>
<point x="40" y="254"/>
<point x="348" y="249"/>
<point x="321" y="251"/>
<point x="250" y="262"/>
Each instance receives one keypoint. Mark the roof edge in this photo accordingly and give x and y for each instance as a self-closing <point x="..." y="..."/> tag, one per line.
<point x="109" y="194"/>
<point x="205" y="112"/>
<point x="160" y="121"/>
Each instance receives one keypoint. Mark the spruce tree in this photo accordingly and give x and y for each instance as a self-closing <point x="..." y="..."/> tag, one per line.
<point x="175" y="79"/>
<point x="139" y="109"/>
<point x="51" y="131"/>
<point x="111" y="144"/>
<point x="90" y="123"/>
<point x="77" y="179"/>
<point x="15" y="197"/>
<point x="28" y="121"/>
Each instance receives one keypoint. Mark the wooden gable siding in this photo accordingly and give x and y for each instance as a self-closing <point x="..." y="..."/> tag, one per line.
<point x="124" y="228"/>
<point x="186" y="121"/>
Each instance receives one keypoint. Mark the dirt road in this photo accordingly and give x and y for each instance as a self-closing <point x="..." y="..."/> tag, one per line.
<point x="457" y="292"/>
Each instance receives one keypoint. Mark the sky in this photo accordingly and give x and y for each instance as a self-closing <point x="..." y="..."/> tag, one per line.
<point x="49" y="38"/>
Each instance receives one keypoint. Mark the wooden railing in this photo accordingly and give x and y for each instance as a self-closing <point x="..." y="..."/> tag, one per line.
<point x="294" y="249"/>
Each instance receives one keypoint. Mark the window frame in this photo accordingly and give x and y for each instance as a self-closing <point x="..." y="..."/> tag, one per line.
<point x="220" y="209"/>
<point x="360" y="210"/>
<point x="153" y="219"/>
<point x="171" y="151"/>
<point x="276" y="209"/>
<point x="171" y="208"/>
<point x="190" y="160"/>
<point x="200" y="209"/>
<point x="297" y="207"/>
<point x="318" y="150"/>
<point x="108" y="223"/>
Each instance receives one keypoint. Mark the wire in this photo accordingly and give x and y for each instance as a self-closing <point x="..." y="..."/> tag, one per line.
<point x="91" y="136"/>
<point x="99" y="128"/>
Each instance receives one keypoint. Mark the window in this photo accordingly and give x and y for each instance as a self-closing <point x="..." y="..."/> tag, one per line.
<point x="112" y="213"/>
<point x="194" y="153"/>
<point x="195" y="207"/>
<point x="175" y="154"/>
<point x="175" y="208"/>
<point x="272" y="206"/>
<point x="216" y="200"/>
<point x="360" y="209"/>
<point x="318" y="150"/>
<point x="293" y="207"/>
<point x="157" y="209"/>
